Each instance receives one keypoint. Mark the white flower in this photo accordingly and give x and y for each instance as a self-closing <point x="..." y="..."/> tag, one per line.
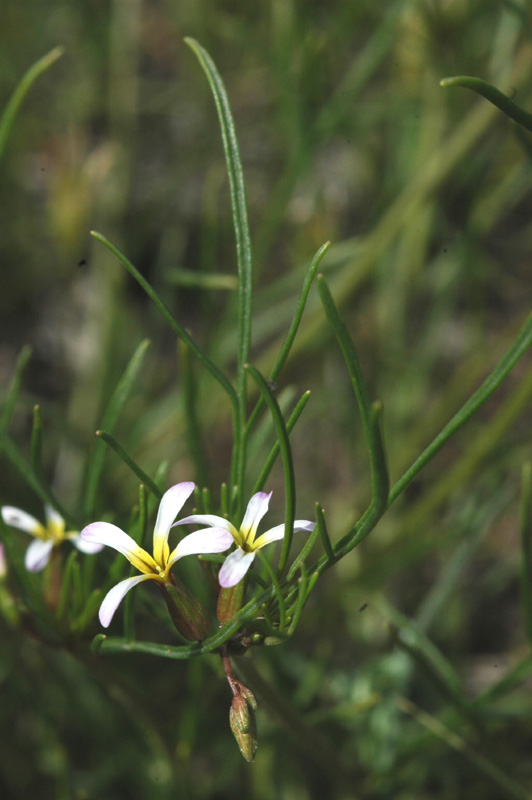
<point x="46" y="536"/>
<point x="239" y="561"/>
<point x="158" y="566"/>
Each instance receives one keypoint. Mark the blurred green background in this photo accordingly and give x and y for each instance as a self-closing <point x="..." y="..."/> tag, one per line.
<point x="425" y="195"/>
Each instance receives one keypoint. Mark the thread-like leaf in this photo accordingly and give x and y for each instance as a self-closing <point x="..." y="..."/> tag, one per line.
<point x="496" y="97"/>
<point x="11" y="110"/>
<point x="288" y="466"/>
<point x="110" y="417"/>
<point x="13" y="389"/>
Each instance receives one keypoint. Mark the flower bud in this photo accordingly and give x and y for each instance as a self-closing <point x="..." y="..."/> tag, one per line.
<point x="243" y="724"/>
<point x="189" y="615"/>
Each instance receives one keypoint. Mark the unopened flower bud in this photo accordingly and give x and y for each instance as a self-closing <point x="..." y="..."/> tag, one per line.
<point x="243" y="724"/>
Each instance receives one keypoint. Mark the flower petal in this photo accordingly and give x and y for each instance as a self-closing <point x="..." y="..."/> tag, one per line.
<point x="113" y="536"/>
<point x="38" y="554"/>
<point x="208" y="540"/>
<point x="85" y="546"/>
<point x="171" y="504"/>
<point x="208" y="519"/>
<point x="257" y="507"/>
<point x="114" y="597"/>
<point x="234" y="568"/>
<point x="274" y="534"/>
<point x="53" y="516"/>
<point x="21" y="520"/>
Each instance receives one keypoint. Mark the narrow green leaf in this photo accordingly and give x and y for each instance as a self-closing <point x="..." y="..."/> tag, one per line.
<point x="193" y="427"/>
<point x="238" y="203"/>
<point x="526" y="545"/>
<point x="11" y="110"/>
<point x="270" y="461"/>
<point x="78" y="596"/>
<point x="277" y="589"/>
<point x="213" y="281"/>
<point x="431" y="660"/>
<point x="291" y="335"/>
<point x="224" y="503"/>
<point x="300" y="558"/>
<point x="66" y="586"/>
<point x="244" y="258"/>
<point x="35" y="481"/>
<point x="288" y="466"/>
<point x="518" y="348"/>
<point x="518" y="675"/>
<point x="36" y="442"/>
<point x="496" y="97"/>
<point x="129" y="462"/>
<point x="176" y="327"/>
<point x="110" y="417"/>
<point x="88" y="612"/>
<point x="324" y="536"/>
<point x="302" y="594"/>
<point x="13" y="389"/>
<point x="370" y="413"/>
<point x="483" y="763"/>
<point x="143" y="516"/>
<point x="206" y="500"/>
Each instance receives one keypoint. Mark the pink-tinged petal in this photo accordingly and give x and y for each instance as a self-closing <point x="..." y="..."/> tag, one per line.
<point x="114" y="597"/>
<point x="257" y="508"/>
<point x="84" y="546"/>
<point x="38" y="555"/>
<point x="208" y="540"/>
<point x="274" y="534"/>
<point x="234" y="568"/>
<point x="24" y="522"/>
<point x="208" y="519"/>
<point x="112" y="536"/>
<point x="171" y="504"/>
<point x="3" y="563"/>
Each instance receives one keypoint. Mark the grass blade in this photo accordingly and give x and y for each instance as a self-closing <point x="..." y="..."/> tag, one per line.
<point x="11" y="110"/>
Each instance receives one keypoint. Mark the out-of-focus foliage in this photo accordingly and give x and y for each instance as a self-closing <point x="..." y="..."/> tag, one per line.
<point x="390" y="687"/>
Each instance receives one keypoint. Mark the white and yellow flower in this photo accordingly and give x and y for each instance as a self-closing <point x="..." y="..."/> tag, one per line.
<point x="247" y="543"/>
<point x="47" y="536"/>
<point x="156" y="567"/>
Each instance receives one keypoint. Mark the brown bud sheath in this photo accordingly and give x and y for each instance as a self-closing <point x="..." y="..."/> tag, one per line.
<point x="230" y="601"/>
<point x="189" y="615"/>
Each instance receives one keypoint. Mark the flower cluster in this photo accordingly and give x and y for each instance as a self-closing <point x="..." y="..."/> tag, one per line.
<point x="156" y="567"/>
<point x="47" y="537"/>
<point x="216" y="535"/>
